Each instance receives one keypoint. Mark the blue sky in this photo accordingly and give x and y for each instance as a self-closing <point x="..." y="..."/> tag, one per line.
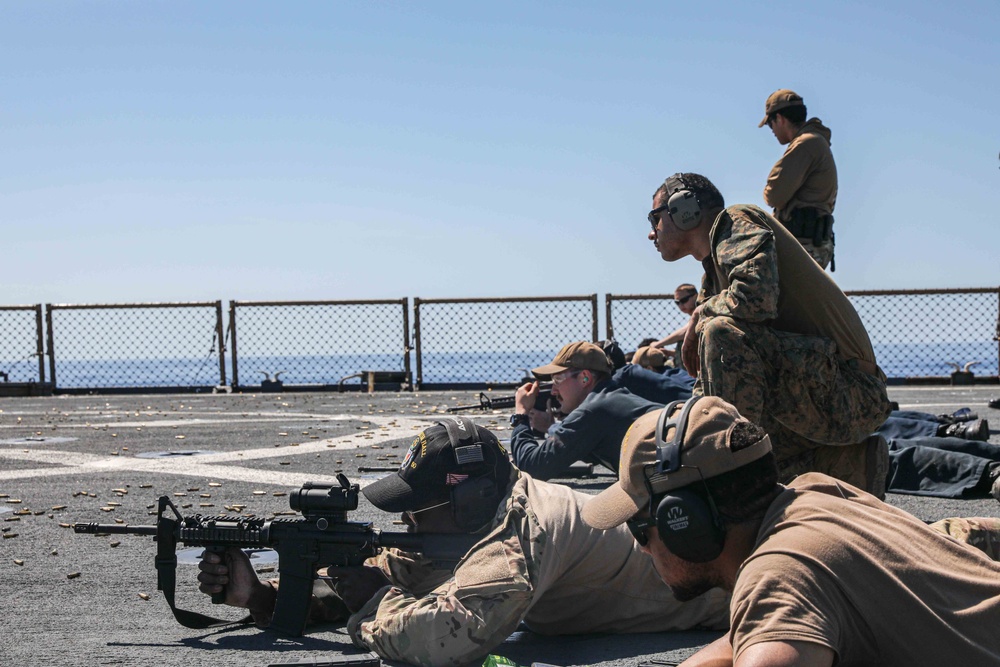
<point x="162" y="151"/>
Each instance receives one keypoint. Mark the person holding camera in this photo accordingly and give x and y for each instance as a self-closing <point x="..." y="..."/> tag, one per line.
<point x="597" y="408"/>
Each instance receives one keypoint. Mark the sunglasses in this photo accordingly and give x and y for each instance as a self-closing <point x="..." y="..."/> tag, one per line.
<point x="654" y="215"/>
<point x="638" y="528"/>
<point x="683" y="300"/>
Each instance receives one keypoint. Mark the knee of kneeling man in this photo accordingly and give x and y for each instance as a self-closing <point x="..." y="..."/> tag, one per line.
<point x="718" y="329"/>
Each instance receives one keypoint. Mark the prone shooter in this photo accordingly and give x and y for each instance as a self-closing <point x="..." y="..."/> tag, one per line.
<point x="322" y="536"/>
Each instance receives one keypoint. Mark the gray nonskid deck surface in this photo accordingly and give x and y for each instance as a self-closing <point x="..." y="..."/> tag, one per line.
<point x="73" y="451"/>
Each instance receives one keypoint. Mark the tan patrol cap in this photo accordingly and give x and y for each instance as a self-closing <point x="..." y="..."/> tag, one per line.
<point x="705" y="453"/>
<point x="581" y="355"/>
<point x="780" y="99"/>
<point x="650" y="357"/>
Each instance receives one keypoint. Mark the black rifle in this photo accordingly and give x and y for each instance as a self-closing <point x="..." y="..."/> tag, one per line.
<point x="322" y="536"/>
<point x="507" y="402"/>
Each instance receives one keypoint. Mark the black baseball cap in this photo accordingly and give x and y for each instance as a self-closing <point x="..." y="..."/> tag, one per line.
<point x="437" y="462"/>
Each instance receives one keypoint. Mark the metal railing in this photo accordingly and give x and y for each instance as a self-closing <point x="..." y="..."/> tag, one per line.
<point x="931" y="333"/>
<point x="917" y="334"/>
<point x="152" y="346"/>
<point x="630" y="318"/>
<point x="316" y="344"/>
<point x="467" y="342"/>
<point x="22" y="347"/>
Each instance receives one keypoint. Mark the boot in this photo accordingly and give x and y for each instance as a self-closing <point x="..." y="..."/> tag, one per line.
<point x="978" y="429"/>
<point x="962" y="415"/>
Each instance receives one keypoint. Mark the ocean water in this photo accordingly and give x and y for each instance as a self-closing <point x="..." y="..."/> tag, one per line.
<point x="897" y="360"/>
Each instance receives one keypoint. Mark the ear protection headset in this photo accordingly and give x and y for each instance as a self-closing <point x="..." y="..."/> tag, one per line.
<point x="688" y="525"/>
<point x="474" y="501"/>
<point x="682" y="204"/>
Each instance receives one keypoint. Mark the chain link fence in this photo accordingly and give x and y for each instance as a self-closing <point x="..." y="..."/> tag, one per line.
<point x="630" y="318"/>
<point x="165" y="346"/>
<point x="462" y="342"/>
<point x="931" y="333"/>
<point x="21" y="344"/>
<point x="915" y="333"/>
<point x="317" y="344"/>
<point x="458" y="342"/>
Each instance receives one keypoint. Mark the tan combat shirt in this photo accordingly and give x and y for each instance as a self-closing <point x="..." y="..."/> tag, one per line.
<point x="806" y="175"/>
<point x="835" y="566"/>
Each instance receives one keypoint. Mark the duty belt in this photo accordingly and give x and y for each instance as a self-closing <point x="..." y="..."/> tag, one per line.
<point x="810" y="223"/>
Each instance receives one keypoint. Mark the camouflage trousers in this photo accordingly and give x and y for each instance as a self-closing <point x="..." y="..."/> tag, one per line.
<point x="983" y="533"/>
<point x="818" y="410"/>
<point x="822" y="253"/>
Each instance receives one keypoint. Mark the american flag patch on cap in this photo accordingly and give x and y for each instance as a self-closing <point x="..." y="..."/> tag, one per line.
<point x="452" y="479"/>
<point x="469" y="454"/>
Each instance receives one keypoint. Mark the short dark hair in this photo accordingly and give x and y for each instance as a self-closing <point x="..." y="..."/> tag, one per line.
<point x="646" y="341"/>
<point x="614" y="352"/>
<point x="708" y="195"/>
<point x="795" y="114"/>
<point x="744" y="494"/>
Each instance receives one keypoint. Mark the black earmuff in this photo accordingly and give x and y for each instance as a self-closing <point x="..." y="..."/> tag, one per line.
<point x="474" y="500"/>
<point x="682" y="204"/>
<point x="688" y="523"/>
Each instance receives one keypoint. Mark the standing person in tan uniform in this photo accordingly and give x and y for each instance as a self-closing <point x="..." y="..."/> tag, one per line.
<point x="821" y="572"/>
<point x="774" y="335"/>
<point x="802" y="185"/>
<point x="536" y="561"/>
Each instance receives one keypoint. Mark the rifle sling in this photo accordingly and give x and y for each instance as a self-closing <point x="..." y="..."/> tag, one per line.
<point x="166" y="581"/>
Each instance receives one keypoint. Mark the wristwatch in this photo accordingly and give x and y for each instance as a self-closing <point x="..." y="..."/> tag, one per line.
<point x="516" y="420"/>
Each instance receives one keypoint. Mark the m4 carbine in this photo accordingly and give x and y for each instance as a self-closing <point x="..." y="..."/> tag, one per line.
<point x="507" y="402"/>
<point x="322" y="536"/>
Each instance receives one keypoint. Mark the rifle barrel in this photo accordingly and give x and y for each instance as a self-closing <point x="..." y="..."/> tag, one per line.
<point x="113" y="528"/>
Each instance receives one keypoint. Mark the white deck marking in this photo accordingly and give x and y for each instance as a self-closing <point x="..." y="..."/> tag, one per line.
<point x="206" y="465"/>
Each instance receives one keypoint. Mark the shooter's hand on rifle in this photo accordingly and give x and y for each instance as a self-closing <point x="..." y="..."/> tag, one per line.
<point x="232" y="573"/>
<point x="357" y="585"/>
<point x="525" y="400"/>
